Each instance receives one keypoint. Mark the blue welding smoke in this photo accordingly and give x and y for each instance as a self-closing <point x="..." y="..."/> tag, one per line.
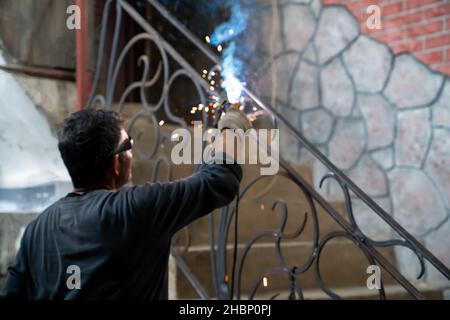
<point x="226" y="34"/>
<point x="231" y="28"/>
<point x="232" y="67"/>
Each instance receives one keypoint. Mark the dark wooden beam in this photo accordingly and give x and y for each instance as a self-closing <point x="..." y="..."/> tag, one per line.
<point x="40" y="72"/>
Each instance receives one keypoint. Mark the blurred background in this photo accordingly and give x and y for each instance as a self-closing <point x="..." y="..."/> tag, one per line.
<point x="366" y="82"/>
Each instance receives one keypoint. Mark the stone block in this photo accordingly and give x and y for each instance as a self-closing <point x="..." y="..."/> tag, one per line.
<point x="411" y="83"/>
<point x="284" y="73"/>
<point x="337" y="89"/>
<point x="297" y="34"/>
<point x="380" y="120"/>
<point x="384" y="157"/>
<point x="305" y="87"/>
<point x="317" y="125"/>
<point x="369" y="177"/>
<point x="413" y="137"/>
<point x="369" y="63"/>
<point x="438" y="242"/>
<point x="337" y="28"/>
<point x="441" y="109"/>
<point x="417" y="205"/>
<point x="370" y="223"/>
<point x="438" y="162"/>
<point x="310" y="53"/>
<point x="347" y="143"/>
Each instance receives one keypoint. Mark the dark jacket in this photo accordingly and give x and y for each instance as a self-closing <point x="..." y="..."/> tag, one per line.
<point x="119" y="240"/>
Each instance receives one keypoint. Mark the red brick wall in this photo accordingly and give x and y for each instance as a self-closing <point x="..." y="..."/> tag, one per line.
<point x="418" y="26"/>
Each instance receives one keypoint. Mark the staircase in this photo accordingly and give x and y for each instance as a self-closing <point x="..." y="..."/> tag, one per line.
<point x="327" y="257"/>
<point x="343" y="265"/>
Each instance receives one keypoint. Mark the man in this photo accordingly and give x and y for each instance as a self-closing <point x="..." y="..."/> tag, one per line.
<point x="116" y="239"/>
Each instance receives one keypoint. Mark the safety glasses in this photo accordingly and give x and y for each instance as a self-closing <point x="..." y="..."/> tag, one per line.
<point x="124" y="146"/>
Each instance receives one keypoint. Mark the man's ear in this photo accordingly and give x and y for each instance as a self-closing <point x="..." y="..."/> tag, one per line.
<point x="116" y="164"/>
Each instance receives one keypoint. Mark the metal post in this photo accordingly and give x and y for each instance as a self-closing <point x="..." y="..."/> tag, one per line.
<point x="173" y="293"/>
<point x="83" y="75"/>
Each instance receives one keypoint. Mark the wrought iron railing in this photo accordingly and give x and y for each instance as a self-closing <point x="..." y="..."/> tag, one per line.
<point x="232" y="289"/>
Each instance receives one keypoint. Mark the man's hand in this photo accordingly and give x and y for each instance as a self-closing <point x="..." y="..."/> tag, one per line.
<point x="234" y="119"/>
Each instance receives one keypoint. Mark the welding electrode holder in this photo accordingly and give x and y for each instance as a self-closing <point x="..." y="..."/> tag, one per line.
<point x="223" y="107"/>
<point x="235" y="118"/>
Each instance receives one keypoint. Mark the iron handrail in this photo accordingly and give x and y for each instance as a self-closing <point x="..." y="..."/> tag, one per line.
<point x="311" y="148"/>
<point x="351" y="229"/>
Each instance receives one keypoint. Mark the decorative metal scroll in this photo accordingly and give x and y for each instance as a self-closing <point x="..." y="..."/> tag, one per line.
<point x="232" y="288"/>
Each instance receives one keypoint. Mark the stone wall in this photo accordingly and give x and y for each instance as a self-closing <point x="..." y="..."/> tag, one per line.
<point x="421" y="27"/>
<point x="382" y="118"/>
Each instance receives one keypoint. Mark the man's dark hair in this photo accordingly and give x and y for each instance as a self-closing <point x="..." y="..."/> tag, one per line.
<point x="87" y="140"/>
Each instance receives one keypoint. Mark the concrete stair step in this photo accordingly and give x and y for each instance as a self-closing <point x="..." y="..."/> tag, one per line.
<point x="393" y="292"/>
<point x="254" y="217"/>
<point x="342" y="265"/>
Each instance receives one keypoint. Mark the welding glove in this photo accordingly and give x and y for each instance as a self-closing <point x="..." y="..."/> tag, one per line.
<point x="234" y="119"/>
